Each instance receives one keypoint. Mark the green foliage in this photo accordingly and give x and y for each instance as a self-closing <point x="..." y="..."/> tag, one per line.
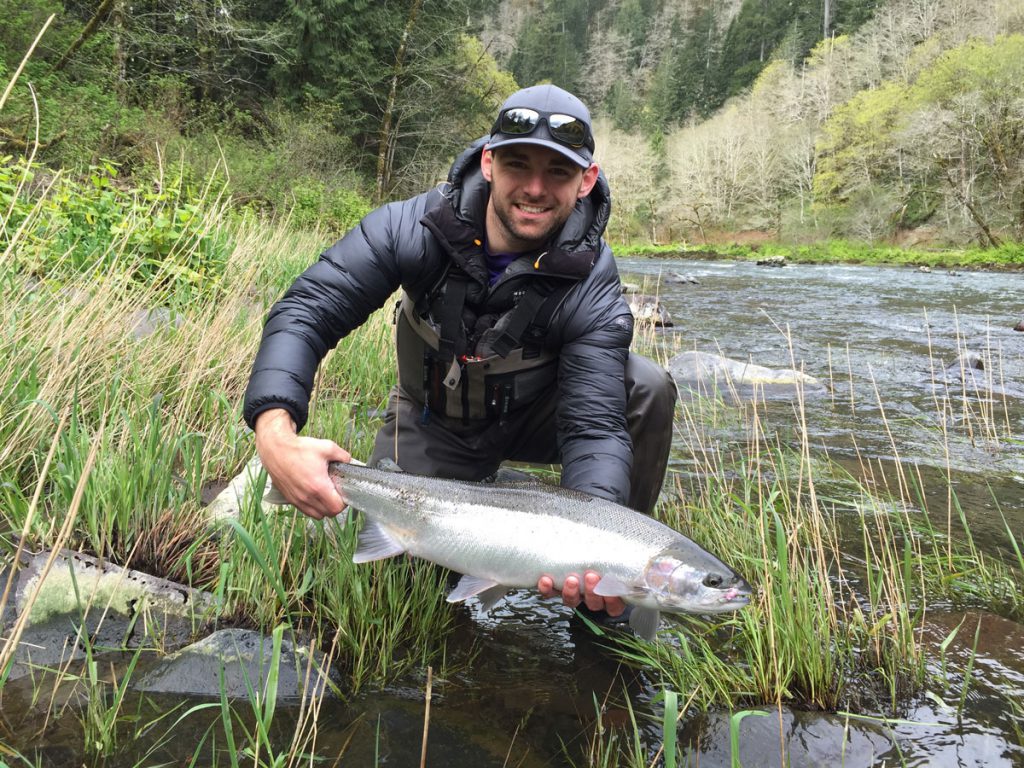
<point x="159" y="233"/>
<point x="553" y="40"/>
<point x="316" y="206"/>
<point x="953" y="133"/>
<point x="856" y="148"/>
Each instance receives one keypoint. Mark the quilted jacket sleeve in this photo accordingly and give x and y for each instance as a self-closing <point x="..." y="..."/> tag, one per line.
<point x="593" y="437"/>
<point x="333" y="297"/>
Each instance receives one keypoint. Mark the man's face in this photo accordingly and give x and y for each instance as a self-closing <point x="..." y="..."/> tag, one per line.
<point x="533" y="191"/>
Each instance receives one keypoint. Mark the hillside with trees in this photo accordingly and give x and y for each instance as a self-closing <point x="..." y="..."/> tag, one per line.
<point x="799" y="120"/>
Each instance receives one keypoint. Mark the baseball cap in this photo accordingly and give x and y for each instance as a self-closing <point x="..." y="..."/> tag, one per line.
<point x="547" y="116"/>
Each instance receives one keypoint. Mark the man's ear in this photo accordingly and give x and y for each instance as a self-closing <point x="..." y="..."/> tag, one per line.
<point x="589" y="180"/>
<point x="486" y="163"/>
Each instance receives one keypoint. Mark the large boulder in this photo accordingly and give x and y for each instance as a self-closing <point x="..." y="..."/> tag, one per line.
<point x="709" y="375"/>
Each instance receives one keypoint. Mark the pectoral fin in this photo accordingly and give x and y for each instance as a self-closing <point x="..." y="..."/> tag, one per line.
<point x="610" y="586"/>
<point x="274" y="496"/>
<point x="644" y="622"/>
<point x="489" y="590"/>
<point x="375" y="543"/>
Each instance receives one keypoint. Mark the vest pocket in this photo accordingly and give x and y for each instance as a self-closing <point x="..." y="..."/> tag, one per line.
<point x="505" y="393"/>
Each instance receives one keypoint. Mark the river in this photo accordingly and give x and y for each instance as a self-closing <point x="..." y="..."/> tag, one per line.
<point x="527" y="679"/>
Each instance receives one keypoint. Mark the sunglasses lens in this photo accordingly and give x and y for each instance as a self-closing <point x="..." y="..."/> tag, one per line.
<point x="519" y="122"/>
<point x="568" y="130"/>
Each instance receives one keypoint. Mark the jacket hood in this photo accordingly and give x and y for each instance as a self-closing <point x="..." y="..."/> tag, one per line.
<point x="468" y="191"/>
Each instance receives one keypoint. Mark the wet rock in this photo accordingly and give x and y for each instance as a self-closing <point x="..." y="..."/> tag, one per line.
<point x="678" y="278"/>
<point x="114" y="607"/>
<point x="648" y="310"/>
<point x="75" y="578"/>
<point x="1019" y="326"/>
<point x="772" y="261"/>
<point x="706" y="374"/>
<point x="237" y="660"/>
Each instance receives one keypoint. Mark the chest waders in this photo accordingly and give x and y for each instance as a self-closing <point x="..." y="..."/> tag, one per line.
<point x="478" y="376"/>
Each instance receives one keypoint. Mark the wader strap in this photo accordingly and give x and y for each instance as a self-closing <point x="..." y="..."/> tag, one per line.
<point x="535" y="307"/>
<point x="452" y="344"/>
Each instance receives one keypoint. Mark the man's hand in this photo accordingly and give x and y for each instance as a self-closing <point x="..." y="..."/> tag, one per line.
<point x="573" y="594"/>
<point x="298" y="465"/>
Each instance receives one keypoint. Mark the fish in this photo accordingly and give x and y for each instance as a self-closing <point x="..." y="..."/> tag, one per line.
<point x="506" y="534"/>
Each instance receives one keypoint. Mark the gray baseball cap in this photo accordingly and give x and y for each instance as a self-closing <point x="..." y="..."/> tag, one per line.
<point x="547" y="116"/>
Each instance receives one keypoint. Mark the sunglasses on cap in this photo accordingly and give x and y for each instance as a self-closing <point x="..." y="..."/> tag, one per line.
<point x="522" y="121"/>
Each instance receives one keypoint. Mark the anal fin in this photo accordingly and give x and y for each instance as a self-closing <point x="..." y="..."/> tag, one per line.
<point x="644" y="621"/>
<point x="470" y="586"/>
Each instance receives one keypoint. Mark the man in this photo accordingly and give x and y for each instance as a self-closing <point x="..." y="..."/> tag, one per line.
<point x="513" y="336"/>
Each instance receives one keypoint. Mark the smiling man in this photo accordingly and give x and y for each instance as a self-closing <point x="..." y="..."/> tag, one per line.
<point x="513" y="336"/>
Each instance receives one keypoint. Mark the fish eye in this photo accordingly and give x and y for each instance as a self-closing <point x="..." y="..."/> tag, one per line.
<point x="713" y="580"/>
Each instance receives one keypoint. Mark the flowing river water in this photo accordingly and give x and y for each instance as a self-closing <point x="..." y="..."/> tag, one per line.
<point x="531" y="677"/>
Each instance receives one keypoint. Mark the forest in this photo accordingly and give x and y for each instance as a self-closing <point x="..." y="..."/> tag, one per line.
<point x="897" y="122"/>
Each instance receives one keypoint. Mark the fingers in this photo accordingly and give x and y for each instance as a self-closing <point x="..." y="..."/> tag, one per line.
<point x="546" y="586"/>
<point x="574" y="593"/>
<point x="298" y="466"/>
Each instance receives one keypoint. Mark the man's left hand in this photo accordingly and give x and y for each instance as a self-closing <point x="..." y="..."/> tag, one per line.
<point x="573" y="593"/>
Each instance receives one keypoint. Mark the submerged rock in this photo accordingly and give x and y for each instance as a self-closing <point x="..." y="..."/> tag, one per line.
<point x="239" y="661"/>
<point x="1019" y="326"/>
<point x="707" y="374"/>
<point x="114" y="607"/>
<point x="769" y="737"/>
<point x="978" y="376"/>
<point x="678" y="278"/>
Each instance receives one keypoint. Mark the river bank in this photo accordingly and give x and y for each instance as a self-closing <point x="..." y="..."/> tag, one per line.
<point x="1009" y="256"/>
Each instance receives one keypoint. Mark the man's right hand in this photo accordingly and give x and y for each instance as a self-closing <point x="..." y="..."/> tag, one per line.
<point x="298" y="465"/>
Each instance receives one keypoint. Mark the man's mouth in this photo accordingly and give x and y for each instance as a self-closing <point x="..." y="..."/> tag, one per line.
<point x="531" y="209"/>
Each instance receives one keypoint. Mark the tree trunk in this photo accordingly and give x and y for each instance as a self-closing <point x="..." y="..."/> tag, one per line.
<point x="384" y="151"/>
<point x="973" y="210"/>
<point x="87" y="32"/>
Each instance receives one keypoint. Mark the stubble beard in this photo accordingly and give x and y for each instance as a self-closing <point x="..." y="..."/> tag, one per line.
<point x="526" y="239"/>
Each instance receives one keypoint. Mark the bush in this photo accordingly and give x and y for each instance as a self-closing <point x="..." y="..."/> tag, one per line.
<point x="156" y="233"/>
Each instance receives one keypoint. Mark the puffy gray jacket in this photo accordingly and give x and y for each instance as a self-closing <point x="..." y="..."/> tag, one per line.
<point x="410" y="244"/>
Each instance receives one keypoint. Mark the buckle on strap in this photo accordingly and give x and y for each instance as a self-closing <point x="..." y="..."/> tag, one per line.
<point x="454" y="375"/>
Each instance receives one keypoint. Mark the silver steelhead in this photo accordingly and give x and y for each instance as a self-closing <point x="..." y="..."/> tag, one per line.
<point x="508" y="534"/>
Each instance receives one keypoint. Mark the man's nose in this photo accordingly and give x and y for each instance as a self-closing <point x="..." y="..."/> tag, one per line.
<point x="534" y="184"/>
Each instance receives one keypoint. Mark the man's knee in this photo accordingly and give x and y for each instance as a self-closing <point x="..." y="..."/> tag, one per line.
<point x="649" y="385"/>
